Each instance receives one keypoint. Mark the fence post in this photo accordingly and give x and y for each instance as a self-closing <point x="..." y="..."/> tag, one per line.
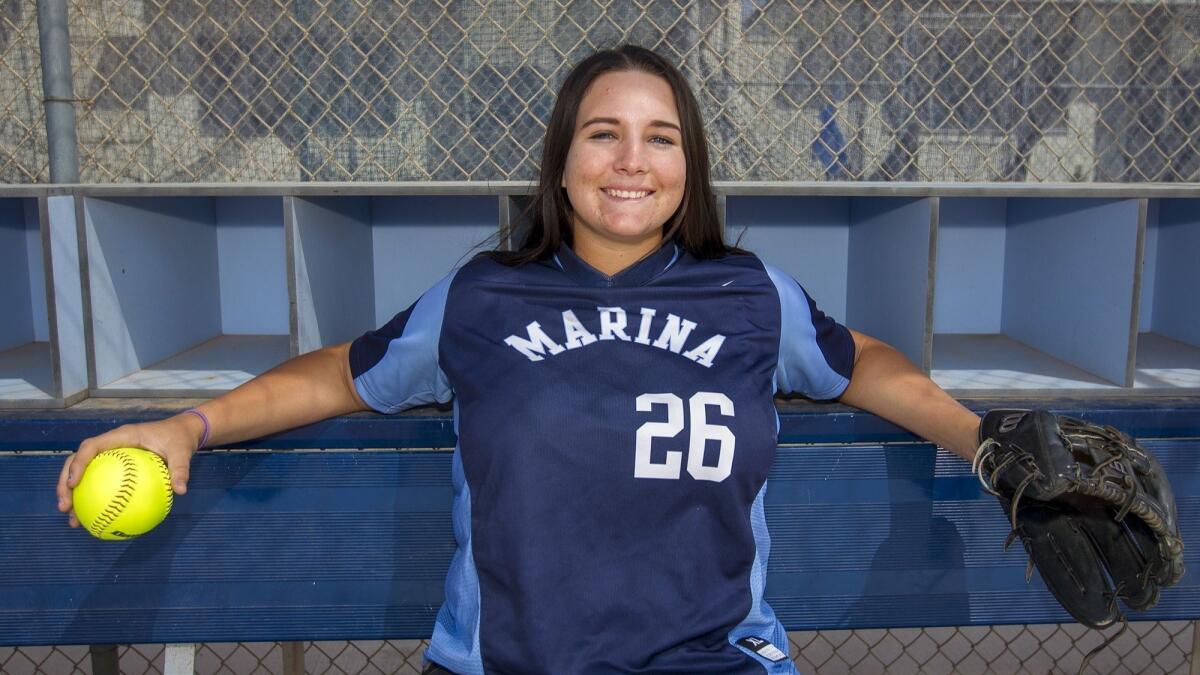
<point x="1194" y="662"/>
<point x="58" y="97"/>
<point x="293" y="658"/>
<point x="105" y="660"/>
<point x="179" y="659"/>
<point x="58" y="93"/>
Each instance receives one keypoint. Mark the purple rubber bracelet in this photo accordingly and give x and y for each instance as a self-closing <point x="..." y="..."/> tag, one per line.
<point x="207" y="427"/>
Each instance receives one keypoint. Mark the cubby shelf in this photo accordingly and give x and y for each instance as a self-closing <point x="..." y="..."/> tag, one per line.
<point x="864" y="260"/>
<point x="999" y="289"/>
<point x="994" y="290"/>
<point x="188" y="294"/>
<point x="1168" y="342"/>
<point x="360" y="260"/>
<point x="42" y="358"/>
<point x="24" y="336"/>
<point x="1034" y="293"/>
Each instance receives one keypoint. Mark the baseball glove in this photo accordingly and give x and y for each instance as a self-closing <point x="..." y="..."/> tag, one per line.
<point x="1093" y="509"/>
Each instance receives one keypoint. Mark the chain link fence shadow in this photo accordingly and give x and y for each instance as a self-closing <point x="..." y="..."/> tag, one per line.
<point x="1148" y="648"/>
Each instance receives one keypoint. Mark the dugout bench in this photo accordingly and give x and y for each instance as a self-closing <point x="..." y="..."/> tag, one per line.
<point x="330" y="532"/>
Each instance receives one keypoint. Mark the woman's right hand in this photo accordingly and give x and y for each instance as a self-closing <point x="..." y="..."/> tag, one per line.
<point x="175" y="439"/>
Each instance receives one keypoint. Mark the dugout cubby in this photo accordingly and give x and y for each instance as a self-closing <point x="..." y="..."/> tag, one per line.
<point x="515" y="219"/>
<point x="188" y="294"/>
<point x="359" y="260"/>
<point x="42" y="356"/>
<point x="864" y="260"/>
<point x="1168" y="341"/>
<point x="992" y="289"/>
<point x="1034" y="293"/>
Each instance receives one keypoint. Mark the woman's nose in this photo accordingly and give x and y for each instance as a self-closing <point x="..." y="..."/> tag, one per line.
<point x="631" y="156"/>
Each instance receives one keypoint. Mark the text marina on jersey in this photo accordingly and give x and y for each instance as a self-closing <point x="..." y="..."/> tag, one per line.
<point x="673" y="335"/>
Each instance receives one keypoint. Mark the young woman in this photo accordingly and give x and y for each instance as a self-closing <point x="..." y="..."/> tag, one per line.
<point x="613" y="384"/>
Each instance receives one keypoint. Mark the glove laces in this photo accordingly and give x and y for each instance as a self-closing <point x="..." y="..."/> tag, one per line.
<point x="985" y="458"/>
<point x="1112" y="607"/>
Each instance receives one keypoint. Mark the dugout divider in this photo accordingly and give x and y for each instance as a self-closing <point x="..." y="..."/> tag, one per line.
<point x="334" y="298"/>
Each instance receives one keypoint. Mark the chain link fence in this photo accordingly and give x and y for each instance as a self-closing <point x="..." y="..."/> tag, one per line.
<point x="317" y="90"/>
<point x="1148" y="648"/>
<point x="921" y="90"/>
<point x="24" y="157"/>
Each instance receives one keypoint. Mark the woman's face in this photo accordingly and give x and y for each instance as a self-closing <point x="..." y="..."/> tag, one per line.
<point x="625" y="168"/>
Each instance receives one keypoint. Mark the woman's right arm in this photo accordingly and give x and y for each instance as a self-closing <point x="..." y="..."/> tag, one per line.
<point x="306" y="389"/>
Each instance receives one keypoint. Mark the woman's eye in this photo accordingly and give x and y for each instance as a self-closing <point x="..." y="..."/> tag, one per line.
<point x="603" y="135"/>
<point x="663" y="140"/>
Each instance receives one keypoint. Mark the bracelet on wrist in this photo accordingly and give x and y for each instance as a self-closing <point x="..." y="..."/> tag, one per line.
<point x="207" y="426"/>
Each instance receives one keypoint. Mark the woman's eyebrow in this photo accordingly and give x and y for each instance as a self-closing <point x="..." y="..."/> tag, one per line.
<point x="613" y="121"/>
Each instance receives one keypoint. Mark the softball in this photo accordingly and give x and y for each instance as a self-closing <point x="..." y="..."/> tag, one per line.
<point x="123" y="493"/>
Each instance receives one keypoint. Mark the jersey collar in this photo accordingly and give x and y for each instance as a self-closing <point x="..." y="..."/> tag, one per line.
<point x="638" y="274"/>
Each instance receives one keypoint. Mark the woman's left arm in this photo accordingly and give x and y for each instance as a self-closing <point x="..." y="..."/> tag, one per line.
<point x="886" y="383"/>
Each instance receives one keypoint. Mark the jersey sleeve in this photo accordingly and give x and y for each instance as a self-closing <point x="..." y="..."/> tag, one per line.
<point x="396" y="366"/>
<point x="816" y="353"/>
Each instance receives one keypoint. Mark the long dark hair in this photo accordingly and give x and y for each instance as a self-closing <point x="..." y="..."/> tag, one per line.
<point x="694" y="226"/>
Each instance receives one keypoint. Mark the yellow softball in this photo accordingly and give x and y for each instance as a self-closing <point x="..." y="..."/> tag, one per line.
<point x="123" y="493"/>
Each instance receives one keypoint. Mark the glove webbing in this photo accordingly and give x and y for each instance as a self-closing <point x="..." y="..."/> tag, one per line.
<point x="1128" y="494"/>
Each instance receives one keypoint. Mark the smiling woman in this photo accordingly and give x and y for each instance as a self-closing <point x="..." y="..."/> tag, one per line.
<point x="613" y="384"/>
<point x="625" y="122"/>
<point x="625" y="170"/>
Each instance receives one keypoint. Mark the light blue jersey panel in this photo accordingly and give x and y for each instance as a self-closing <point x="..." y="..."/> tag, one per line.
<point x="396" y="367"/>
<point x="455" y="643"/>
<point x="816" y="353"/>
<point x="761" y="622"/>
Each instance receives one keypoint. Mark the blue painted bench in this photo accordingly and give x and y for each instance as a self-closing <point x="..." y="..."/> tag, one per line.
<point x="870" y="528"/>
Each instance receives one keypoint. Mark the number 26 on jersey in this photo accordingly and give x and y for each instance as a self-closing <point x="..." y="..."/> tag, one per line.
<point x="699" y="434"/>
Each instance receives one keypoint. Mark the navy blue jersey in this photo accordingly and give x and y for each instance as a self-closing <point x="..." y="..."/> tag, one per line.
<point x="614" y="439"/>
